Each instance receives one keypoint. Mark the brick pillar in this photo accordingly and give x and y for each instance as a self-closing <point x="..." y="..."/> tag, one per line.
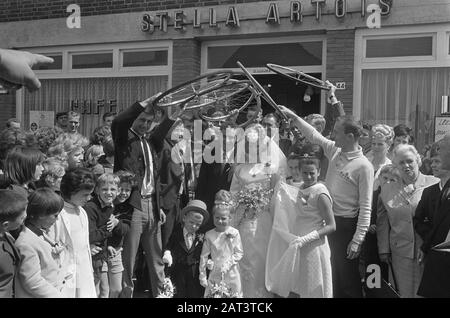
<point x="340" y="64"/>
<point x="7" y="108"/>
<point x="186" y="60"/>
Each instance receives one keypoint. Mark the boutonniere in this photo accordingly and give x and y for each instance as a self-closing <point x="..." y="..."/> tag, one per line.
<point x="229" y="235"/>
<point x="200" y="238"/>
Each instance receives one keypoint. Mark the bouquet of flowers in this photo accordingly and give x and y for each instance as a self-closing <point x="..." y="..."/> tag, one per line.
<point x="169" y="289"/>
<point x="254" y="198"/>
<point x="221" y="290"/>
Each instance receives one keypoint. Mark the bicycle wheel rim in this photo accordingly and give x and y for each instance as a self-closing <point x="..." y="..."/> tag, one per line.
<point x="217" y="94"/>
<point x="189" y="89"/>
<point x="298" y="77"/>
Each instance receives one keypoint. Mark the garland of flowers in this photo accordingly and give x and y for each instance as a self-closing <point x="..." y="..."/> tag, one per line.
<point x="221" y="290"/>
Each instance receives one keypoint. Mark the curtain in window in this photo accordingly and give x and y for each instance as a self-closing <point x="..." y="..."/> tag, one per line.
<point x="57" y="95"/>
<point x="409" y="96"/>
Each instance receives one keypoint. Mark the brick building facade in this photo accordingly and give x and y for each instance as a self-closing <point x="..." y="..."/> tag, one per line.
<point x="336" y="43"/>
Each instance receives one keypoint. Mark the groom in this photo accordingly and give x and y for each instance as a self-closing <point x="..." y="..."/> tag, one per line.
<point x="136" y="152"/>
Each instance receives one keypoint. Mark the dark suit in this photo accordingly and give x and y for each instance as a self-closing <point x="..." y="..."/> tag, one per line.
<point x="424" y="215"/>
<point x="172" y="175"/>
<point x="436" y="275"/>
<point x="9" y="262"/>
<point x="212" y="178"/>
<point x="185" y="269"/>
<point x="145" y="224"/>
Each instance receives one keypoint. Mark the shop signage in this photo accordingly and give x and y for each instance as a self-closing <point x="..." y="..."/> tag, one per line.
<point x="92" y="107"/>
<point x="198" y="17"/>
<point x="441" y="127"/>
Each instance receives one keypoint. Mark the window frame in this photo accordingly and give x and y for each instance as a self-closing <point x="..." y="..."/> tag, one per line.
<point x="90" y="69"/>
<point x="148" y="67"/>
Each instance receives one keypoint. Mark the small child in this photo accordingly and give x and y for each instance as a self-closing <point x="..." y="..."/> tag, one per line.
<point x="184" y="248"/>
<point x="71" y="230"/>
<point x="13" y="207"/>
<point x="103" y="224"/>
<point x="298" y="257"/>
<point x="224" y="245"/>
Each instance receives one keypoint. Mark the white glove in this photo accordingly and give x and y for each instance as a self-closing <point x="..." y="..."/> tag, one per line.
<point x="167" y="258"/>
<point x="305" y="239"/>
<point x="210" y="264"/>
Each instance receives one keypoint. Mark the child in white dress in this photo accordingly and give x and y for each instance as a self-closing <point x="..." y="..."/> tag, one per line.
<point x="298" y="259"/>
<point x="223" y="244"/>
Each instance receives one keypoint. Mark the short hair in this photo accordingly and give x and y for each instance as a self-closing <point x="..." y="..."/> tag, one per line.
<point x="76" y="180"/>
<point x="9" y="138"/>
<point x="107" y="178"/>
<point x="108" y="147"/>
<point x="126" y="177"/>
<point x="46" y="136"/>
<point x="73" y="114"/>
<point x="53" y="167"/>
<point x="107" y="114"/>
<point x="92" y="152"/>
<point x="100" y="135"/>
<point x="350" y="126"/>
<point x="12" y="120"/>
<point x="403" y="130"/>
<point x="60" y="114"/>
<point x="20" y="164"/>
<point x="67" y="143"/>
<point x="383" y="131"/>
<point x="12" y="204"/>
<point x="316" y="117"/>
<point x="405" y="148"/>
<point x="434" y="150"/>
<point x="44" y="202"/>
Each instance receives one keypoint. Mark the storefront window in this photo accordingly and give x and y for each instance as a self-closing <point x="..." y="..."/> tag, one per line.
<point x="409" y="96"/>
<point x="144" y="58"/>
<point x="397" y="47"/>
<point x="258" y="55"/>
<point x="92" y="60"/>
<point x="56" y="65"/>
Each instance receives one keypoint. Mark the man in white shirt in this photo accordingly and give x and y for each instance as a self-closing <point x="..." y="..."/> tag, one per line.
<point x="350" y="182"/>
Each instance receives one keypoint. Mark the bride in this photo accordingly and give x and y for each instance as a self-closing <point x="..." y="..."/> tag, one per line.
<point x="260" y="170"/>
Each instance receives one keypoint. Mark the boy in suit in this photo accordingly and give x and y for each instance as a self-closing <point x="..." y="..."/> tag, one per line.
<point x="12" y="214"/>
<point x="184" y="249"/>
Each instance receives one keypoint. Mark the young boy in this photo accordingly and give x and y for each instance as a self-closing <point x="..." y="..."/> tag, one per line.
<point x="13" y="208"/>
<point x="184" y="249"/>
<point x="103" y="224"/>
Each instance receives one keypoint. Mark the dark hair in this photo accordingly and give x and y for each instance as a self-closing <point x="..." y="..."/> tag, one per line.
<point x="12" y="204"/>
<point x="126" y="177"/>
<point x="351" y="126"/>
<point x="20" y="164"/>
<point x="43" y="202"/>
<point x="403" y="130"/>
<point x="107" y="114"/>
<point x="11" y="120"/>
<point x="100" y="135"/>
<point x="9" y="138"/>
<point x="76" y="180"/>
<point x="311" y="154"/>
<point x="60" y="114"/>
<point x="434" y="149"/>
<point x="108" y="147"/>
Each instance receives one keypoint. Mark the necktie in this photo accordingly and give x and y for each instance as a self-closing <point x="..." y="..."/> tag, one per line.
<point x="189" y="240"/>
<point x="148" y="167"/>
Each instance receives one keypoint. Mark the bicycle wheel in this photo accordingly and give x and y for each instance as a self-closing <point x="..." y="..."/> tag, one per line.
<point x="183" y="92"/>
<point x="228" y="110"/>
<point x="297" y="76"/>
<point x="219" y="94"/>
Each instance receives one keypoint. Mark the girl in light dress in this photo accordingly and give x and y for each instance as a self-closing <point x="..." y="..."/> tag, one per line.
<point x="298" y="258"/>
<point x="223" y="244"/>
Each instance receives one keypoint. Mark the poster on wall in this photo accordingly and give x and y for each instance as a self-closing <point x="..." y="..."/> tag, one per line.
<point x="441" y="127"/>
<point x="41" y="118"/>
